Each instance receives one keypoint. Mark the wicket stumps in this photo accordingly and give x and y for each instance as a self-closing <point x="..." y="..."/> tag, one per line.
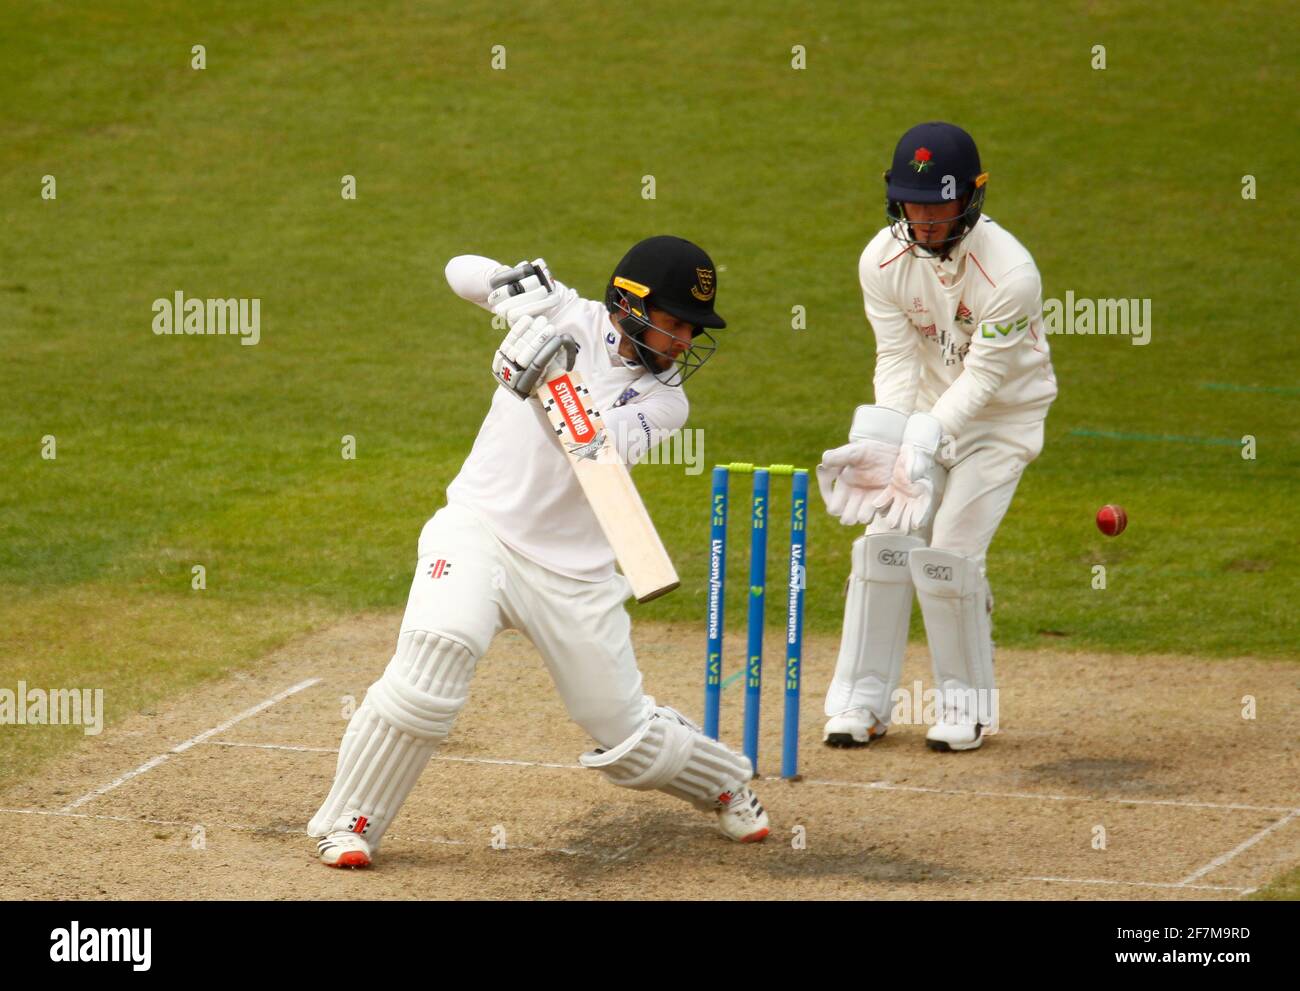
<point x="753" y="670"/>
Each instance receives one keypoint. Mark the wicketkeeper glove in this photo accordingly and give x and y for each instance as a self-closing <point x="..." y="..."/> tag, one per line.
<point x="851" y="476"/>
<point x="911" y="486"/>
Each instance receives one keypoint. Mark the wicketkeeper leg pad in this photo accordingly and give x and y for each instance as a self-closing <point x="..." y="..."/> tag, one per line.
<point x="877" y="610"/>
<point x="955" y="601"/>
<point x="671" y="754"/>
<point x="406" y="714"/>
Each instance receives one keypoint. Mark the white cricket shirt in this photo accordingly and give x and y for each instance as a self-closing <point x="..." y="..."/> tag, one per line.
<point x="516" y="478"/>
<point x="962" y="339"/>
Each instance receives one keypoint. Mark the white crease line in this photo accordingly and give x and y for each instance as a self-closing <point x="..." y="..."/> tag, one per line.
<point x="61" y="814"/>
<point x="90" y="815"/>
<point x="886" y="786"/>
<point x="273" y="746"/>
<point x="334" y="750"/>
<point x="615" y="856"/>
<point x="1138" y="884"/>
<point x="180" y="748"/>
<point x="1240" y="847"/>
<point x="287" y="830"/>
<point x="876" y="785"/>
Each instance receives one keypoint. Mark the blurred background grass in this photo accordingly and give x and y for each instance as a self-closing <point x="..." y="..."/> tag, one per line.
<point x="1123" y="182"/>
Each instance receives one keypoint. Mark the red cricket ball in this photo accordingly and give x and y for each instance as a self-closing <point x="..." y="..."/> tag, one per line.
<point x="1111" y="520"/>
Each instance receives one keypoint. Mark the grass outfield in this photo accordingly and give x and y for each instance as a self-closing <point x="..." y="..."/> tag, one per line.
<point x="174" y="451"/>
<point x="1284" y="889"/>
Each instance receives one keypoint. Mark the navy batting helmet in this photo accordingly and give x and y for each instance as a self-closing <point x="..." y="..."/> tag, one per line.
<point x="674" y="275"/>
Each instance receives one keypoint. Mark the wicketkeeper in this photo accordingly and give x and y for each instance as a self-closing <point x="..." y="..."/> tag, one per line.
<point x="962" y="384"/>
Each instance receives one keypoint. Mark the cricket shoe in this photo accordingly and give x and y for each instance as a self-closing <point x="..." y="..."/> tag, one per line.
<point x="742" y="816"/>
<point x="342" y="848"/>
<point x="954" y="735"/>
<point x="852" y="728"/>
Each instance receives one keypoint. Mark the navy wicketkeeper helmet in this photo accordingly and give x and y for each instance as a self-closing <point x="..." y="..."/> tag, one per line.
<point x="934" y="163"/>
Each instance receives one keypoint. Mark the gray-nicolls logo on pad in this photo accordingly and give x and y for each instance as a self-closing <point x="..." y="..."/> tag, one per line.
<point x="102" y="945"/>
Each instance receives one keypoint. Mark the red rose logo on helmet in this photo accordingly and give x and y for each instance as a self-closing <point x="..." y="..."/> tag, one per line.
<point x="920" y="159"/>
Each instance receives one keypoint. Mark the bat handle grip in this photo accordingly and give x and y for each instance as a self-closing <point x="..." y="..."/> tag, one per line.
<point x="528" y="378"/>
<point x="513" y="276"/>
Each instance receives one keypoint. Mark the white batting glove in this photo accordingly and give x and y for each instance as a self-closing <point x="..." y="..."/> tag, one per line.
<point x="537" y="299"/>
<point x="909" y="497"/>
<point x="850" y="477"/>
<point x="530" y="353"/>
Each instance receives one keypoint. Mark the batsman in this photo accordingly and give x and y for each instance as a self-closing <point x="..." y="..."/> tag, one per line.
<point x="963" y="381"/>
<point x="518" y="546"/>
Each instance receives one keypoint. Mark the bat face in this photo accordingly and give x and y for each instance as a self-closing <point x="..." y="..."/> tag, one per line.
<point x="567" y="405"/>
<point x="604" y="478"/>
<point x="608" y="486"/>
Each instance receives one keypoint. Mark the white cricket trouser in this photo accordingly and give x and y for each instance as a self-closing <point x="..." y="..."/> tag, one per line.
<point x="973" y="491"/>
<point x="468" y="587"/>
<point x="982" y="476"/>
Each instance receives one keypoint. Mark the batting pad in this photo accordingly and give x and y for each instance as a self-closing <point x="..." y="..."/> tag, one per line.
<point x="877" y="610"/>
<point x="405" y="716"/>
<point x="954" y="602"/>
<point x="671" y="754"/>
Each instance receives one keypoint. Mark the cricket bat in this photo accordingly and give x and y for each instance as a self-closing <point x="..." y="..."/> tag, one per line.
<point x="580" y="430"/>
<point x="608" y="485"/>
